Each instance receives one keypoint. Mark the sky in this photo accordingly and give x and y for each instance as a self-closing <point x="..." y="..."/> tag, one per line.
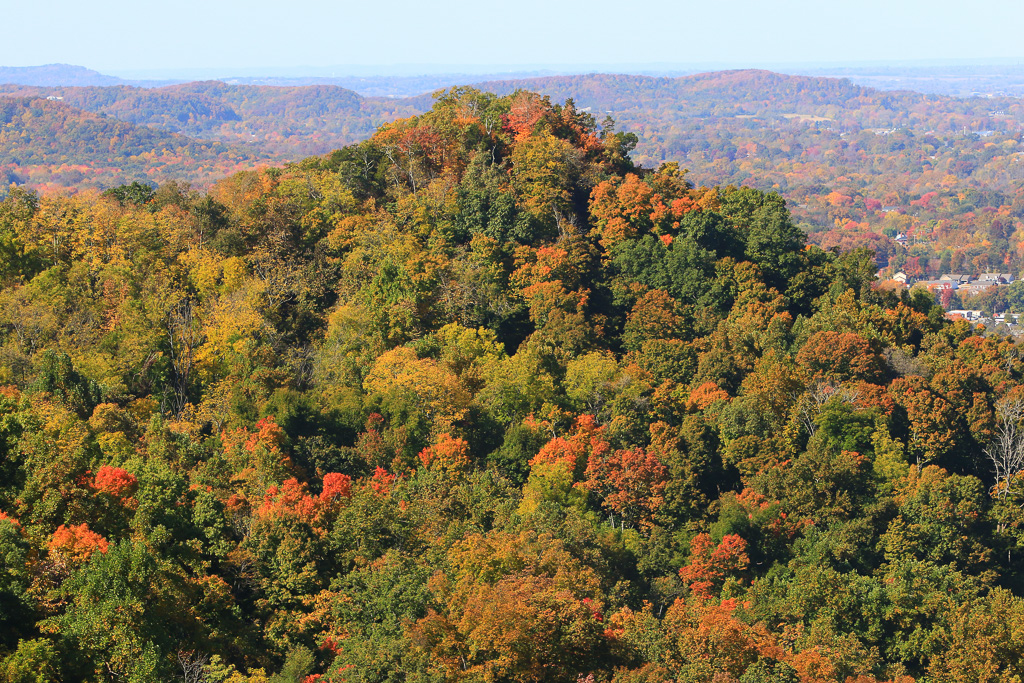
<point x="342" y="37"/>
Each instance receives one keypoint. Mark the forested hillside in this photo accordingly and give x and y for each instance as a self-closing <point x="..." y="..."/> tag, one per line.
<point x="478" y="399"/>
<point x="286" y="122"/>
<point x="51" y="145"/>
<point x="857" y="166"/>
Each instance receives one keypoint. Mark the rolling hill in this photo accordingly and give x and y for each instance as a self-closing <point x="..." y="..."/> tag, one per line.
<point x="284" y="122"/>
<point x="51" y="143"/>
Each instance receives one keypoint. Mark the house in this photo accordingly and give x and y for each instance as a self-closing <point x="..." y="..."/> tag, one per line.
<point x="976" y="288"/>
<point x="959" y="278"/>
<point x="965" y="314"/>
<point x="938" y="285"/>
<point x="900" y="277"/>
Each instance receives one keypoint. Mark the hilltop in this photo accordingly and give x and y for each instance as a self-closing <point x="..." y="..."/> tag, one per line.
<point x="858" y="166"/>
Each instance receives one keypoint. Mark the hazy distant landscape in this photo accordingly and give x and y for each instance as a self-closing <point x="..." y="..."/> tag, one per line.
<point x="955" y="80"/>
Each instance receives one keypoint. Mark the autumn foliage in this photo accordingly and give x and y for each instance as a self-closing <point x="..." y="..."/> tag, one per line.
<point x="75" y="544"/>
<point x="115" y="481"/>
<point x="711" y="564"/>
<point x="482" y="399"/>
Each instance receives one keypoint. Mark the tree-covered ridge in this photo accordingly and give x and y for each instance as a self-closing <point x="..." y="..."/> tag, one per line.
<point x="477" y="399"/>
<point x="717" y="93"/>
<point x="857" y="166"/>
<point x="55" y="74"/>
<point x="52" y="144"/>
<point x="287" y="123"/>
<point x="755" y="92"/>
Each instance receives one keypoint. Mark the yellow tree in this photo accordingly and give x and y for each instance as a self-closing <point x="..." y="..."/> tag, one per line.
<point x="418" y="388"/>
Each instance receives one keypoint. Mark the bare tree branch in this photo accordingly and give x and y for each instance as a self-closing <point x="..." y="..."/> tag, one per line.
<point x="193" y="666"/>
<point x="816" y="396"/>
<point x="184" y="337"/>
<point x="1006" y="450"/>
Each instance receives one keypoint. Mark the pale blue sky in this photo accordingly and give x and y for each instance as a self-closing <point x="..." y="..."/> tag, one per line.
<point x="233" y="35"/>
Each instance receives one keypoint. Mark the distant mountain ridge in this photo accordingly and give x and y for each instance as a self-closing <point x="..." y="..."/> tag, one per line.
<point x="54" y="75"/>
<point x="386" y="86"/>
<point x="957" y="81"/>
<point x="696" y="93"/>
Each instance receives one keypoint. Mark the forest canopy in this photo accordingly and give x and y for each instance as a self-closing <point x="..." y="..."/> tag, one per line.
<point x="479" y="399"/>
